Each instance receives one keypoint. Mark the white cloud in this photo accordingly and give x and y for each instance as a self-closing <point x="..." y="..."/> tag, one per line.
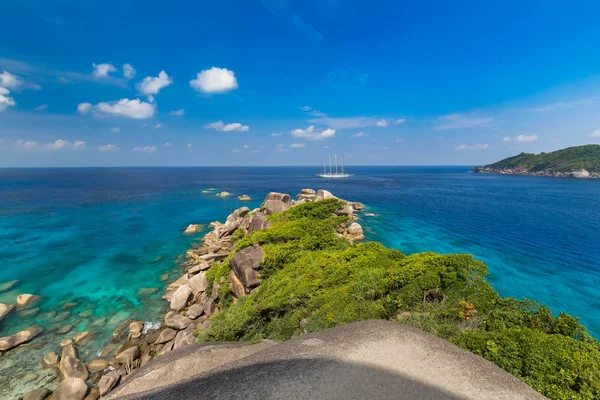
<point x="399" y="121"/>
<point x="312" y="111"/>
<point x="507" y="139"/>
<point x="595" y="133"/>
<point x="116" y="129"/>
<point x="311" y="134"/>
<point x="5" y="100"/>
<point x="275" y="134"/>
<point x="167" y="144"/>
<point x="461" y="121"/>
<point x="382" y="124"/>
<point x="473" y="147"/>
<point x="189" y="146"/>
<point x="297" y="145"/>
<point x="84" y="108"/>
<point x="135" y="109"/>
<point x="220" y="126"/>
<point x="158" y="126"/>
<point x="108" y="147"/>
<point x="346" y="123"/>
<point x="57" y="145"/>
<point x="41" y="107"/>
<point x="279" y="148"/>
<point x="214" y="80"/>
<point x="144" y="149"/>
<point x="359" y="135"/>
<point x="553" y="106"/>
<point x="102" y="70"/>
<point x="177" y="113"/>
<point x="304" y="108"/>
<point x="10" y="81"/>
<point x="525" y="138"/>
<point x="151" y="86"/>
<point x="128" y="71"/>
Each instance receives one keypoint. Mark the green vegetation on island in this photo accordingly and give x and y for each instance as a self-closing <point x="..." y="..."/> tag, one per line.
<point x="559" y="163"/>
<point x="313" y="279"/>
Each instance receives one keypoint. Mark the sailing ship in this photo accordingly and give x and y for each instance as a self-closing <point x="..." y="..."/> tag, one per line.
<point x="331" y="173"/>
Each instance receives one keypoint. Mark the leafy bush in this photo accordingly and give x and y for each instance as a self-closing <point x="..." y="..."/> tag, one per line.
<point x="313" y="280"/>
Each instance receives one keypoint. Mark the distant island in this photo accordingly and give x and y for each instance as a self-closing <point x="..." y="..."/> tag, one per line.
<point x="572" y="162"/>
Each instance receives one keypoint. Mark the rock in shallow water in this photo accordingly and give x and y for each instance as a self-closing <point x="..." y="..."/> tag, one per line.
<point x="50" y="360"/>
<point x="6" y="286"/>
<point x="71" y="367"/>
<point x="5" y="309"/>
<point x="9" y="342"/>
<point x="26" y="299"/>
<point x="99" y="364"/>
<point x="192" y="228"/>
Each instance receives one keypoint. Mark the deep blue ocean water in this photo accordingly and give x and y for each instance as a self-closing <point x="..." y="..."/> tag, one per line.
<point x="97" y="236"/>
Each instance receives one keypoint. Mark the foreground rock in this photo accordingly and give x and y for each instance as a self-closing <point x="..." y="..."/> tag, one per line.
<point x="14" y="340"/>
<point x="108" y="382"/>
<point x="70" y="389"/>
<point x="362" y="360"/>
<point x="72" y="367"/>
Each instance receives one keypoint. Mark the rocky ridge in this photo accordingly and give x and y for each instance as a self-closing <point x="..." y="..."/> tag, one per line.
<point x="581" y="173"/>
<point x="191" y="303"/>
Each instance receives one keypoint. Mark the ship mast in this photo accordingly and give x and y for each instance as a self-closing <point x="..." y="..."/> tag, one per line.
<point x="336" y="170"/>
<point x="324" y="168"/>
<point x="342" y="162"/>
<point x="330" y="164"/>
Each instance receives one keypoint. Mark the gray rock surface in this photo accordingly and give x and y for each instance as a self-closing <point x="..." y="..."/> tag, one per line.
<point x="37" y="394"/>
<point x="274" y="206"/>
<point x="258" y="222"/>
<point x="70" y="389"/>
<point x="176" y="321"/>
<point x="278" y="196"/>
<point x="245" y="265"/>
<point x="363" y="360"/>
<point x="181" y="297"/>
<point x="16" y="339"/>
<point x="108" y="382"/>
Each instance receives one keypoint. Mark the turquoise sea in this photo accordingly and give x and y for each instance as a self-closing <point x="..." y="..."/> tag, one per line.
<point x="95" y="237"/>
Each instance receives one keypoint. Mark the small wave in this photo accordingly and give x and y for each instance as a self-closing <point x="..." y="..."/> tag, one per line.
<point x="148" y="326"/>
<point x="370" y="215"/>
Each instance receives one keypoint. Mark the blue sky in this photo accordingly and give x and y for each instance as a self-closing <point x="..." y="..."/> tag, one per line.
<point x="288" y="82"/>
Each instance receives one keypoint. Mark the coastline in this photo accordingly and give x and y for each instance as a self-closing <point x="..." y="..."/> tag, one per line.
<point x="581" y="174"/>
<point x="190" y="304"/>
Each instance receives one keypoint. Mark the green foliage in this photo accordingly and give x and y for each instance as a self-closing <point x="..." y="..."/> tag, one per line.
<point x="313" y="280"/>
<point x="565" y="160"/>
<point x="555" y="365"/>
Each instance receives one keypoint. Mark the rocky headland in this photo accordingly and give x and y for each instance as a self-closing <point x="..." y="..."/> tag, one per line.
<point x="572" y="162"/>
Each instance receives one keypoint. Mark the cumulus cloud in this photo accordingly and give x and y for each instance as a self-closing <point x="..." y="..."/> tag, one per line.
<point x="144" y="149"/>
<point x="359" y="135"/>
<point x="108" y="147"/>
<point x="135" y="109"/>
<point x="312" y="111"/>
<point x="275" y="134"/>
<point x="84" y="108"/>
<point x="383" y="123"/>
<point x="5" y="99"/>
<point x="214" y="80"/>
<point x="311" y="133"/>
<point x="150" y="86"/>
<point x="115" y="129"/>
<point x="177" y="113"/>
<point x="297" y="145"/>
<point x="10" y="81"/>
<point x="595" y="133"/>
<point x="102" y="70"/>
<point x="220" y="126"/>
<point x="399" y="121"/>
<point x="60" y="144"/>
<point x="189" y="146"/>
<point x="346" y="123"/>
<point x="158" y="126"/>
<point x="167" y="144"/>
<point x="247" y="149"/>
<point x="526" y="138"/>
<point x="507" y="139"/>
<point x="461" y="121"/>
<point x="128" y="71"/>
<point x="473" y="147"/>
<point x="279" y="148"/>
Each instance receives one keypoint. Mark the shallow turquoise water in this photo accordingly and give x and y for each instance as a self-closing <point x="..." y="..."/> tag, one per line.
<point x="98" y="236"/>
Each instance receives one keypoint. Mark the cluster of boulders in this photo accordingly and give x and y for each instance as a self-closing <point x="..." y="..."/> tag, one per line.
<point x="576" y="173"/>
<point x="192" y="300"/>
